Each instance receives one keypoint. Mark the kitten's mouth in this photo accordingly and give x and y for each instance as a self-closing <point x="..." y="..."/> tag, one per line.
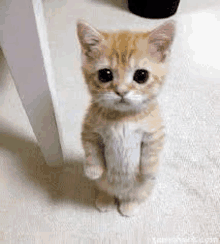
<point x="122" y="101"/>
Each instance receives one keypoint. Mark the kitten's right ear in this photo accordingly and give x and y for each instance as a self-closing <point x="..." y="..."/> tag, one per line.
<point x="89" y="38"/>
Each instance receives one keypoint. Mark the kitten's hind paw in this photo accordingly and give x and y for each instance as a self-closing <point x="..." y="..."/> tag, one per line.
<point x="93" y="172"/>
<point x="104" y="202"/>
<point x="128" y="209"/>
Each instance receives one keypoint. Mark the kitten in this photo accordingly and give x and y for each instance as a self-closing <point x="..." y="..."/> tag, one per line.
<point x="122" y="132"/>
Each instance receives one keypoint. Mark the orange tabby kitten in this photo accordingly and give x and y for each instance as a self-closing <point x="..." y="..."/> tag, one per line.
<point x="122" y="131"/>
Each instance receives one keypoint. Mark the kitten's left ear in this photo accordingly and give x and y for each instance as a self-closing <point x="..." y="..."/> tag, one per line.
<point x="160" y="40"/>
<point x="89" y="38"/>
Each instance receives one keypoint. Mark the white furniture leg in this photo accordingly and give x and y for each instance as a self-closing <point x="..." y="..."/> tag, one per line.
<point x="23" y="39"/>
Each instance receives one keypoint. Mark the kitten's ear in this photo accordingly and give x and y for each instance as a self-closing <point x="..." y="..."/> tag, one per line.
<point x="89" y="38"/>
<point x="160" y="40"/>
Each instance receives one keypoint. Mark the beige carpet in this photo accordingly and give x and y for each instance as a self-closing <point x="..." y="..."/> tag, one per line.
<point x="40" y="204"/>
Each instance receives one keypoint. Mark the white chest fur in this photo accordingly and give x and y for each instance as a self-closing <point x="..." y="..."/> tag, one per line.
<point x="122" y="147"/>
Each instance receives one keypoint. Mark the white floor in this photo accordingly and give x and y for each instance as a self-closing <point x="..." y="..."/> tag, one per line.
<point x="39" y="204"/>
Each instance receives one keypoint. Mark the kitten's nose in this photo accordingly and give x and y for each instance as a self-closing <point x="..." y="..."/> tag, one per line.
<point x="121" y="92"/>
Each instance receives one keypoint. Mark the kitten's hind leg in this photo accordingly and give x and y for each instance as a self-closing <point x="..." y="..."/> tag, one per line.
<point x="129" y="209"/>
<point x="105" y="202"/>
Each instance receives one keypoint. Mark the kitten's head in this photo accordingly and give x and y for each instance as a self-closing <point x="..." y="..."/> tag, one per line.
<point x="124" y="70"/>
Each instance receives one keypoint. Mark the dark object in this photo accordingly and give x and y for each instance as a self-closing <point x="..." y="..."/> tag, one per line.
<point x="105" y="75"/>
<point x="141" y="76"/>
<point x="154" y="9"/>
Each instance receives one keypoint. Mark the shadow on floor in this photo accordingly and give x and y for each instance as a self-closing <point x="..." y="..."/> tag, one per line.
<point x="60" y="183"/>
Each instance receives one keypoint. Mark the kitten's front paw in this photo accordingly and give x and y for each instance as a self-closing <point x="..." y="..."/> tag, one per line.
<point x="129" y="209"/>
<point x="93" y="172"/>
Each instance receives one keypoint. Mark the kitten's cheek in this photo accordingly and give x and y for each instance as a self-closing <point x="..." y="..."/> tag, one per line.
<point x="108" y="104"/>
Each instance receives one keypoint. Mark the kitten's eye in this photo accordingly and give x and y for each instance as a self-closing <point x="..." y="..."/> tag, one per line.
<point x="141" y="76"/>
<point x="105" y="75"/>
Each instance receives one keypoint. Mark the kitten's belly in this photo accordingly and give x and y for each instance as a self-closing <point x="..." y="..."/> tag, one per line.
<point x="122" y="153"/>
